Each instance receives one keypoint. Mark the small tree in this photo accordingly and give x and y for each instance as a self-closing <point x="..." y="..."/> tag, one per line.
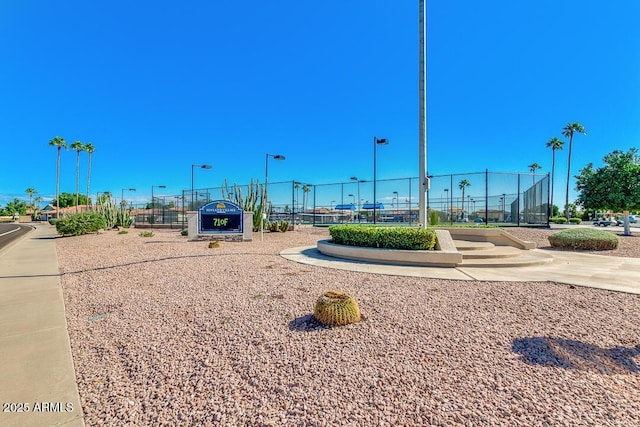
<point x="14" y="207"/>
<point x="66" y="200"/>
<point x="614" y="186"/>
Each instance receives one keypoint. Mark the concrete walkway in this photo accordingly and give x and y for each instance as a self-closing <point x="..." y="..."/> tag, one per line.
<point x="596" y="271"/>
<point x="37" y="377"/>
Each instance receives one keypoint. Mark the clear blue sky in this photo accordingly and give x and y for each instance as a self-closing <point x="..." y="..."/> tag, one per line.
<point x="157" y="86"/>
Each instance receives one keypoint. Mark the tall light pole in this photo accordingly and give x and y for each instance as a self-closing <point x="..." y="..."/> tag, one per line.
<point x="153" y="203"/>
<point x="376" y="142"/>
<point x="422" y="119"/>
<point x="122" y="194"/>
<point x="192" y="168"/>
<point x="355" y="178"/>
<point x="264" y="190"/>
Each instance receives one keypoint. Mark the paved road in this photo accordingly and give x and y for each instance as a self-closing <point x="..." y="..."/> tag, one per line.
<point x="11" y="232"/>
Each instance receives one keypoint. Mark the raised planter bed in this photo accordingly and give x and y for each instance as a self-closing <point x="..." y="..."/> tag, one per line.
<point x="497" y="236"/>
<point x="445" y="255"/>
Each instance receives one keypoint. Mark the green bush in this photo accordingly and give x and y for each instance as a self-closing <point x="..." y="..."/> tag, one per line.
<point x="575" y="220"/>
<point x="123" y="232"/>
<point x="585" y="239"/>
<point x="383" y="237"/>
<point x="81" y="223"/>
<point x="146" y="234"/>
<point x="434" y="218"/>
<point x="558" y="220"/>
<point x="184" y="232"/>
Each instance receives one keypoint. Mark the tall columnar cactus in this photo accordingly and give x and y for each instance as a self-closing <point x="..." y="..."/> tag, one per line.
<point x="335" y="308"/>
<point x="252" y="202"/>
<point x="109" y="211"/>
<point x="113" y="215"/>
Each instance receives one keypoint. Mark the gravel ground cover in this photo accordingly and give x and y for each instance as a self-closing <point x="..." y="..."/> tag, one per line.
<point x="169" y="332"/>
<point x="629" y="245"/>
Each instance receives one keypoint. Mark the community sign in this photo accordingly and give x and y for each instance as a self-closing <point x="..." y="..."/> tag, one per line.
<point x="220" y="217"/>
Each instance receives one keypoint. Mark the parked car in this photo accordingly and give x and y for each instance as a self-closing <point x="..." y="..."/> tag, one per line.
<point x="478" y="219"/>
<point x="620" y="221"/>
<point x="603" y="222"/>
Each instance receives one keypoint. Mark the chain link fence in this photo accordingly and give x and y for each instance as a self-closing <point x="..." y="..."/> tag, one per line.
<point x="481" y="197"/>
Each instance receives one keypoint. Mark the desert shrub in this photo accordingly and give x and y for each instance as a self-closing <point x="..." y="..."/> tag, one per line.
<point x="184" y="232"/>
<point x="383" y="237"/>
<point x="335" y="308"/>
<point x="584" y="238"/>
<point x="80" y="223"/>
<point x="146" y="234"/>
<point x="123" y="232"/>
<point x="575" y="220"/>
<point x="434" y="218"/>
<point x="281" y="226"/>
<point x="214" y="244"/>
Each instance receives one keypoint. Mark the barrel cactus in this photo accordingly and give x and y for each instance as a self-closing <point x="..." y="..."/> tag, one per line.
<point x="335" y="308"/>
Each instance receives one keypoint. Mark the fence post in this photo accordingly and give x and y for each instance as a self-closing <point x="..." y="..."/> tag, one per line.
<point x="410" y="216"/>
<point x="293" y="205"/>
<point x="451" y="199"/>
<point x="549" y="207"/>
<point x="486" y="196"/>
<point x="518" y="212"/>
<point x="315" y="211"/>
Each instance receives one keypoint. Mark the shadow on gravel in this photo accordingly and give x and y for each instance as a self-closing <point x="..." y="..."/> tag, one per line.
<point x="573" y="354"/>
<point x="157" y="260"/>
<point x="305" y="323"/>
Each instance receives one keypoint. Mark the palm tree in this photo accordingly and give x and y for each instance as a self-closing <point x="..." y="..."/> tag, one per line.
<point x="38" y="200"/>
<point x="31" y="191"/>
<point x="555" y="144"/>
<point x="60" y="143"/>
<point x="297" y="187"/>
<point x="533" y="167"/>
<point x="462" y="185"/>
<point x="305" y="190"/>
<point x="78" y="147"/>
<point x="88" y="147"/>
<point x="568" y="132"/>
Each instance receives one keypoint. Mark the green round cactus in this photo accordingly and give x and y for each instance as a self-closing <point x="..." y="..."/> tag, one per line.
<point x="335" y="308"/>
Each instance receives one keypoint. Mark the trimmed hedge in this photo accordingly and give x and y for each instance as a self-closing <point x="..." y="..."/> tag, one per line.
<point x="372" y="236"/>
<point x="584" y="239"/>
<point x="575" y="220"/>
<point x="558" y="219"/>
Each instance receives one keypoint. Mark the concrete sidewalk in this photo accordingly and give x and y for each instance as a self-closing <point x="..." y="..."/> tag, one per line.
<point x="595" y="271"/>
<point x="37" y="376"/>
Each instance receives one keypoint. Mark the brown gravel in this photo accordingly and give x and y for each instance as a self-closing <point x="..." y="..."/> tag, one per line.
<point x="169" y="332"/>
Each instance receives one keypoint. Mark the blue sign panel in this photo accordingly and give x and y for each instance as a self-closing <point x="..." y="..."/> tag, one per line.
<point x="220" y="217"/>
